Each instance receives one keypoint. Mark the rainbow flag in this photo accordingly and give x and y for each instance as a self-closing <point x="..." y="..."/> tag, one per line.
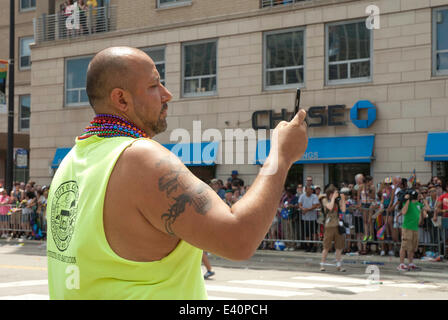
<point x="379" y="221"/>
<point x="413" y="178"/>
<point x="380" y="233"/>
<point x="3" y="73"/>
<point x="3" y="68"/>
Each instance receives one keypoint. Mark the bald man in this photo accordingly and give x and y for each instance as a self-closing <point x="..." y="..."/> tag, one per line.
<point x="126" y="218"/>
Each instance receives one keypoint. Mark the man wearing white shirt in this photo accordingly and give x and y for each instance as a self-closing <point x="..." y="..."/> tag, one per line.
<point x="308" y="203"/>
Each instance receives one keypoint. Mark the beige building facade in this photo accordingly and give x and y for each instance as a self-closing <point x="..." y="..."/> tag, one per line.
<point x="396" y="72"/>
<point x="25" y="11"/>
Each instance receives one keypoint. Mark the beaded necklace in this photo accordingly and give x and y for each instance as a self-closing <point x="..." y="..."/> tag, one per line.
<point x="109" y="126"/>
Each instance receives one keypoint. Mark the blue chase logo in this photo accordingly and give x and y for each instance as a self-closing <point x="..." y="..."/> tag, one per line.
<point x="371" y="114"/>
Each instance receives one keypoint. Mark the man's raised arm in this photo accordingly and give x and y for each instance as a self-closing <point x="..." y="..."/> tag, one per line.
<point x="176" y="202"/>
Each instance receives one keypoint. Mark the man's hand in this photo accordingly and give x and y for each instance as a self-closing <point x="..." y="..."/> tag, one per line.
<point x="292" y="139"/>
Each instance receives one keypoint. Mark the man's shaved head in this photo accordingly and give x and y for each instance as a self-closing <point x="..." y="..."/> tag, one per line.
<point x="111" y="68"/>
<point x="125" y="82"/>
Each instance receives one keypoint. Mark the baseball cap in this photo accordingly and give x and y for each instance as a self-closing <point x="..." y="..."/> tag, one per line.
<point x="234" y="172"/>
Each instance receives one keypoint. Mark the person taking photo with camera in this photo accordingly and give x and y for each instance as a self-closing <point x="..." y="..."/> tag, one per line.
<point x="412" y="212"/>
<point x="333" y="204"/>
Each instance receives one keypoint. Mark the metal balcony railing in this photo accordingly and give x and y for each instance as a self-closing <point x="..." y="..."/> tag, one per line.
<point x="273" y="3"/>
<point x="75" y="24"/>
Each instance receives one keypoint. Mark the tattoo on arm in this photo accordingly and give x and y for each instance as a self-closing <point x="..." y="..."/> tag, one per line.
<point x="183" y="193"/>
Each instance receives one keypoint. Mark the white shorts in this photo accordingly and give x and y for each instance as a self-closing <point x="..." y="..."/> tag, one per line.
<point x="398" y="221"/>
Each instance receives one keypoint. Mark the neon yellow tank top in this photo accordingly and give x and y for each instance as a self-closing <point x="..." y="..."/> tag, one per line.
<point x="81" y="264"/>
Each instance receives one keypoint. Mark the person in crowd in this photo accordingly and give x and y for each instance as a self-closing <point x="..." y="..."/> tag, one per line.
<point x="235" y="180"/>
<point x="4" y="208"/>
<point x="17" y="195"/>
<point x="386" y="193"/>
<point x="83" y="17"/>
<point x="309" y="182"/>
<point x="348" y="218"/>
<point x="424" y="237"/>
<point x="299" y="190"/>
<point x="442" y="208"/>
<point x="358" y="223"/>
<point x="215" y="185"/>
<point x="27" y="213"/>
<point x="430" y="208"/>
<point x="331" y="233"/>
<point x="229" y="197"/>
<point x="288" y="204"/>
<point x="412" y="212"/>
<point x="45" y="190"/>
<point x="439" y="187"/>
<point x="317" y="190"/>
<point x="236" y="195"/>
<point x="366" y="196"/>
<point x="308" y="203"/>
<point x="69" y="11"/>
<point x="359" y="180"/>
<point x="396" y="209"/>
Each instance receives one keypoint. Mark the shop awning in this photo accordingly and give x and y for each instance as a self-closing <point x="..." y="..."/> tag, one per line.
<point x="59" y="156"/>
<point x="195" y="154"/>
<point x="437" y="146"/>
<point x="355" y="149"/>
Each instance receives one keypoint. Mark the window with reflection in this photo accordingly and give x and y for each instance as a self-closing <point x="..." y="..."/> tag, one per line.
<point x="199" y="68"/>
<point x="284" y="59"/>
<point x="158" y="56"/>
<point x="349" y="52"/>
<point x="440" y="52"/>
<point x="75" y="81"/>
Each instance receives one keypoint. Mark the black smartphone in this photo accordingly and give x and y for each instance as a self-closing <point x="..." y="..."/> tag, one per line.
<point x="297" y="106"/>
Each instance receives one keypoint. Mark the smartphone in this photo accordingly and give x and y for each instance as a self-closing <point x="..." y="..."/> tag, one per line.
<point x="297" y="106"/>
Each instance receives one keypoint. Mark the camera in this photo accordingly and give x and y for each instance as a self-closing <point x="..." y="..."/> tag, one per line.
<point x="413" y="195"/>
<point x="344" y="191"/>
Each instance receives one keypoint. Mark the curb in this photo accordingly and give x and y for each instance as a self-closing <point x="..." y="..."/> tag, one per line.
<point x="22" y="241"/>
<point x="367" y="259"/>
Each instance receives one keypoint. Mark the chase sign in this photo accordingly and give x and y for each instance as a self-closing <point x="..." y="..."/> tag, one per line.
<point x="371" y="114"/>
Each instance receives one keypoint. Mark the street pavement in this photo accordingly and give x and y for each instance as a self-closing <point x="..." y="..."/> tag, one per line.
<point x="268" y="275"/>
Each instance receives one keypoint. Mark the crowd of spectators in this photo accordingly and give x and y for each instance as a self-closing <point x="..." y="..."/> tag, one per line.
<point x="30" y="201"/>
<point x="373" y="218"/>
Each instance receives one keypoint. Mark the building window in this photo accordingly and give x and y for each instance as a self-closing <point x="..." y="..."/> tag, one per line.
<point x="25" y="53"/>
<point x="75" y="81"/>
<point x="24" y="115"/>
<point x="440" y="41"/>
<point x="199" y="68"/>
<point x="348" y="52"/>
<point x="272" y="3"/>
<point x="27" y="5"/>
<point x="172" y="3"/>
<point x="158" y="56"/>
<point x="284" y="59"/>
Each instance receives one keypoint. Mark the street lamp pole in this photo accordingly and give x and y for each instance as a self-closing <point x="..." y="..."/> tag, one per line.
<point x="9" y="153"/>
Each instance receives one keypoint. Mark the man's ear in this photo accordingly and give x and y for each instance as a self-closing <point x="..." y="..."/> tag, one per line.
<point x="121" y="99"/>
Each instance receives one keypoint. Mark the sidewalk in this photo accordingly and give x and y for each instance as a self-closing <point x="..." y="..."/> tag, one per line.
<point x="295" y="260"/>
<point x="287" y="260"/>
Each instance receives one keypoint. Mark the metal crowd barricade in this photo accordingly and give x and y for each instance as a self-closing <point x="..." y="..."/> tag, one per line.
<point x="16" y="221"/>
<point x="296" y="233"/>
